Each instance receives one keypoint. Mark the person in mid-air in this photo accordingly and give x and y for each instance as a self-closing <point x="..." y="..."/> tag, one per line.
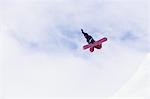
<point x="90" y="39"/>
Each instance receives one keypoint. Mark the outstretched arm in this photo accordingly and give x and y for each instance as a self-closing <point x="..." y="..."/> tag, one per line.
<point x="82" y="31"/>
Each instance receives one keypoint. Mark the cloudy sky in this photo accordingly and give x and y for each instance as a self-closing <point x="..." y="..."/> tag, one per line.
<point x="41" y="47"/>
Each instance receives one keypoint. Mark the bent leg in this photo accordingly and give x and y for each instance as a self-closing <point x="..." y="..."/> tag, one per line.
<point x="98" y="46"/>
<point x="91" y="49"/>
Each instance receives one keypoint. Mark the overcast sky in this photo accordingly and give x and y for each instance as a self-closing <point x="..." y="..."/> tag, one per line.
<point x="41" y="46"/>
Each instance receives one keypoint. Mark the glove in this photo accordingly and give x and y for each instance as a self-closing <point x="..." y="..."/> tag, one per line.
<point x="82" y="30"/>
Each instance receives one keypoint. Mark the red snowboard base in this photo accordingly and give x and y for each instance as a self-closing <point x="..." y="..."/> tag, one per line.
<point x="96" y="44"/>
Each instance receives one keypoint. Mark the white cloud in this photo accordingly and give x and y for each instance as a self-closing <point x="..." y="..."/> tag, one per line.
<point x="37" y="63"/>
<point x="43" y="22"/>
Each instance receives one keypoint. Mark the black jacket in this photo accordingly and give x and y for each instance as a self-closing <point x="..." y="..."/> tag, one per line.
<point x="89" y="38"/>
